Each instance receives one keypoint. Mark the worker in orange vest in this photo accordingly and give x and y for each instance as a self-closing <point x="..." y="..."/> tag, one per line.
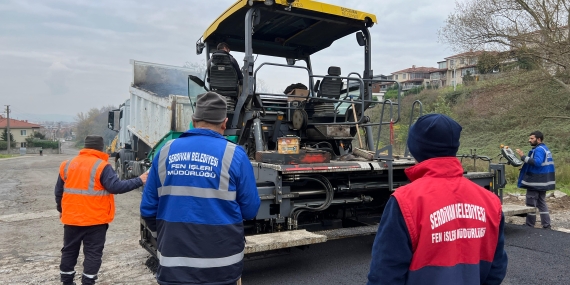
<point x="84" y="196"/>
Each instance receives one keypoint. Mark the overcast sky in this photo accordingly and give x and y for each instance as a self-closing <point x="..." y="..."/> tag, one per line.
<point x="67" y="56"/>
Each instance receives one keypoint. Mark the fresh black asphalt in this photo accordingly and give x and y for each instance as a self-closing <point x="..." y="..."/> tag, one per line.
<point x="536" y="256"/>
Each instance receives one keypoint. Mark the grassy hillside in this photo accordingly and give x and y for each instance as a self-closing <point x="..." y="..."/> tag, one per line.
<point x="500" y="109"/>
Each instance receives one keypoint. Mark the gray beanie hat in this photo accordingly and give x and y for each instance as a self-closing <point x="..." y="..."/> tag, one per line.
<point x="211" y="107"/>
<point x="94" y="142"/>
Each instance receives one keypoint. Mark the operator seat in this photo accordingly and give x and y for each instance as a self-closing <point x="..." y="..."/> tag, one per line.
<point x="329" y="88"/>
<point x="331" y="85"/>
<point x="223" y="77"/>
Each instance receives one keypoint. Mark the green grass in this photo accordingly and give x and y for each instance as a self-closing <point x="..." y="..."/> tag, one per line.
<point x="6" y="155"/>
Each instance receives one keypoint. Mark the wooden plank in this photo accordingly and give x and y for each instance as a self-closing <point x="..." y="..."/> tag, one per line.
<point x="513" y="210"/>
<point x="272" y="241"/>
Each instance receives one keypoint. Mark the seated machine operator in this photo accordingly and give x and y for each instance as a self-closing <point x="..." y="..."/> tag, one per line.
<point x="225" y="48"/>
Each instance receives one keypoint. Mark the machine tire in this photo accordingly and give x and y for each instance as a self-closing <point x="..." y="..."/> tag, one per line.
<point x="152" y="264"/>
<point x="119" y="169"/>
<point x="125" y="155"/>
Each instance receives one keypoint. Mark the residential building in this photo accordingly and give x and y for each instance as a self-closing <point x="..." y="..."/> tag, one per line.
<point x="378" y="89"/>
<point x="413" y="77"/>
<point x="438" y="77"/>
<point x="20" y="130"/>
<point x="460" y="65"/>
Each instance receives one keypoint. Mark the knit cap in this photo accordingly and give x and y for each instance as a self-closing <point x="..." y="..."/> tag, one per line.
<point x="94" y="142"/>
<point x="434" y="135"/>
<point x="211" y="107"/>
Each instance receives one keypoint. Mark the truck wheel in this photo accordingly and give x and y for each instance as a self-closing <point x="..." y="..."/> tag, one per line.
<point x="152" y="264"/>
<point x="119" y="169"/>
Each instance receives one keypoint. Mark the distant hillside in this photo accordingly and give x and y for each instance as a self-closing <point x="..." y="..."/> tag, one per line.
<point x="500" y="109"/>
<point x="504" y="109"/>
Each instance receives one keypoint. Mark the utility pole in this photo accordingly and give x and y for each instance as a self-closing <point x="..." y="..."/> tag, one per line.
<point x="8" y="127"/>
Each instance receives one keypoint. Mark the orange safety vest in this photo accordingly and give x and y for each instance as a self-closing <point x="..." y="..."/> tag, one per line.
<point x="85" y="201"/>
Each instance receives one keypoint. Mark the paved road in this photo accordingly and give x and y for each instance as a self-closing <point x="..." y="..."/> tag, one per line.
<point x="536" y="256"/>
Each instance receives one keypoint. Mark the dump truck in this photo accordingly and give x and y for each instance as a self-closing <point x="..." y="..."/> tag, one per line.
<point x="159" y="108"/>
<point x="322" y="170"/>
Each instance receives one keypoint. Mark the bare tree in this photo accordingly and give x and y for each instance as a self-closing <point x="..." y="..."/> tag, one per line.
<point x="93" y="122"/>
<point x="262" y="87"/>
<point x="199" y="67"/>
<point x="537" y="29"/>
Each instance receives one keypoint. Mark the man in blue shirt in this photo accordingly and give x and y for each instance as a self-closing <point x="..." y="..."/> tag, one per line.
<point x="537" y="177"/>
<point x="199" y="190"/>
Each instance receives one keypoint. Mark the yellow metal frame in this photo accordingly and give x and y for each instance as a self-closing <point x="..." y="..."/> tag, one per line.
<point x="310" y="5"/>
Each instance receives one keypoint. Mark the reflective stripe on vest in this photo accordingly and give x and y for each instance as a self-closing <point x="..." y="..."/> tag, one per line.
<point x="547" y="155"/>
<point x="199" y="262"/>
<point x="222" y="192"/>
<point x="65" y="170"/>
<point x="537" y="184"/>
<point x="163" y="155"/>
<point x="196" y="192"/>
<point x="91" y="189"/>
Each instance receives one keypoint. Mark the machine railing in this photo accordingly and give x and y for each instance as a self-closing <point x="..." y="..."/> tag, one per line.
<point x="361" y="102"/>
<point x="421" y="106"/>
<point x="378" y="154"/>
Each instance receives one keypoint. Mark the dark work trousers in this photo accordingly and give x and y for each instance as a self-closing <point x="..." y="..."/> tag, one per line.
<point x="93" y="239"/>
<point x="537" y="199"/>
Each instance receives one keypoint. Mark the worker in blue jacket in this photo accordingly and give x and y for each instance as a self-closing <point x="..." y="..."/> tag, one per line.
<point x="199" y="190"/>
<point x="537" y="177"/>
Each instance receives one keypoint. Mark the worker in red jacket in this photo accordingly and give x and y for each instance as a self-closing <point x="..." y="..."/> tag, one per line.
<point x="441" y="228"/>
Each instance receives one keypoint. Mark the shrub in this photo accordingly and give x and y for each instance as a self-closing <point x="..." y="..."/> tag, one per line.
<point x="453" y="96"/>
<point x="391" y="94"/>
<point x="45" y="144"/>
<point x="34" y="142"/>
<point x="4" y="145"/>
<point x="415" y="90"/>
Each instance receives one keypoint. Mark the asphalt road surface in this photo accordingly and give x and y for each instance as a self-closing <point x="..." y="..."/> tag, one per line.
<point x="31" y="239"/>
<point x="536" y="256"/>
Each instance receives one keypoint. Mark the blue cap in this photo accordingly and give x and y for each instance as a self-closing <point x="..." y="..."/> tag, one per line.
<point x="434" y="135"/>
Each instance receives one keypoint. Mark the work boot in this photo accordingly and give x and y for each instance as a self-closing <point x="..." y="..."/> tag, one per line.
<point x="67" y="278"/>
<point x="88" y="281"/>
